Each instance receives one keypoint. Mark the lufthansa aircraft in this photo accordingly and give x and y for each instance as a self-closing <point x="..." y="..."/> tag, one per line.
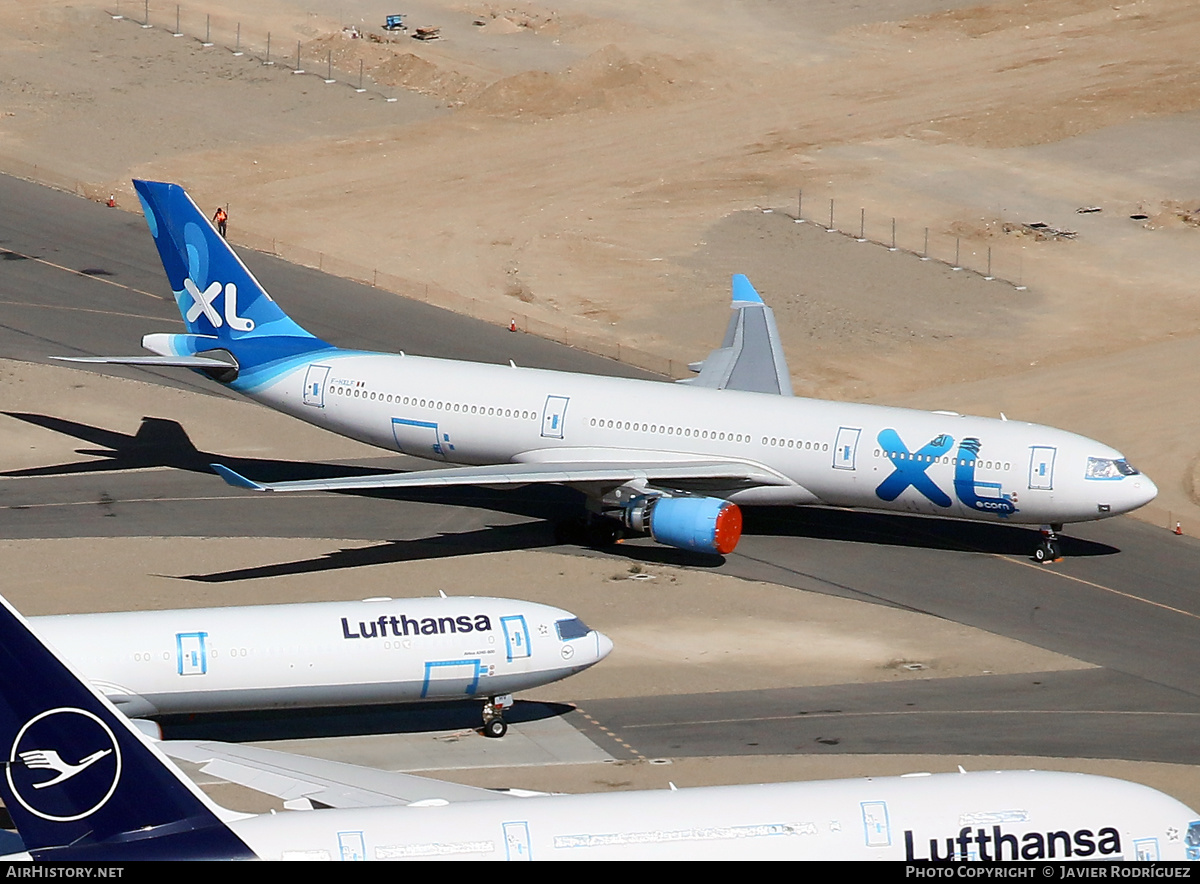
<point x="83" y="785"/>
<point x="326" y="654"/>
<point x="671" y="460"/>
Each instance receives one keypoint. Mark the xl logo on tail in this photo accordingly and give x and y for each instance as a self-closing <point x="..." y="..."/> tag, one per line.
<point x="204" y="302"/>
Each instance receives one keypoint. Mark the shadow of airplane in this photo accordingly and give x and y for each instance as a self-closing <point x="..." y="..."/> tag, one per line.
<point x="891" y="529"/>
<point x="302" y="724"/>
<point x="542" y="534"/>
<point x="165" y="443"/>
<point x="159" y="443"/>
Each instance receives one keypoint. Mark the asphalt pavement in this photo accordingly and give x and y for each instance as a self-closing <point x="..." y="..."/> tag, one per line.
<point x="77" y="278"/>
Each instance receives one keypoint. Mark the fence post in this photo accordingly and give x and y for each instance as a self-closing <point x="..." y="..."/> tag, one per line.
<point x="893" y="248"/>
<point x="237" y="45"/>
<point x="830" y="228"/>
<point x="925" y="255"/>
<point x="207" y="30"/>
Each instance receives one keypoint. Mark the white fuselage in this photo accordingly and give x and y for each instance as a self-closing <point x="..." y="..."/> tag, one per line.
<point x="322" y="654"/>
<point x="831" y="453"/>
<point x="1022" y="815"/>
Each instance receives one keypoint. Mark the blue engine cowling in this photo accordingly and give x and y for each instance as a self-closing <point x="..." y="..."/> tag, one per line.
<point x="700" y="524"/>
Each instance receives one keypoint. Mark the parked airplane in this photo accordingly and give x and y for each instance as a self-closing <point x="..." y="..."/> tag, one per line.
<point x="326" y="654"/>
<point x="667" y="459"/>
<point x="82" y="784"/>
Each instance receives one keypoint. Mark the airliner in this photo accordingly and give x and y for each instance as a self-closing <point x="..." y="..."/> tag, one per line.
<point x="81" y="783"/>
<point x="382" y="650"/>
<point x="672" y="460"/>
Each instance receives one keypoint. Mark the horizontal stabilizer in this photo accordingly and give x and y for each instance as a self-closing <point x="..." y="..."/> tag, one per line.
<point x="750" y="357"/>
<point x="296" y="778"/>
<point x="529" y="474"/>
<point x="205" y="362"/>
<point x="237" y="480"/>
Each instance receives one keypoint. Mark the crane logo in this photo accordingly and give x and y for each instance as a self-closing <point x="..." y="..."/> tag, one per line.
<point x="62" y="760"/>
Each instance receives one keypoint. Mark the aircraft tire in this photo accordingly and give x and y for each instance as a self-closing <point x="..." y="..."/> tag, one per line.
<point x="603" y="533"/>
<point x="1047" y="552"/>
<point x="495" y="728"/>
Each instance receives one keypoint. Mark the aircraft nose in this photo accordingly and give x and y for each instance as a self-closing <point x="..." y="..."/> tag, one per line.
<point x="1144" y="491"/>
<point x="1136" y="491"/>
<point x="604" y="646"/>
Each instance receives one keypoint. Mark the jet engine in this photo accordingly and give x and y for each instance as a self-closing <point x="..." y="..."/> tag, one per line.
<point x="700" y="524"/>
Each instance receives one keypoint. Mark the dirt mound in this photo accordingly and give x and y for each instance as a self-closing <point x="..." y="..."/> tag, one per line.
<point x="511" y="19"/>
<point x="409" y="71"/>
<point x="608" y="78"/>
<point x="384" y="64"/>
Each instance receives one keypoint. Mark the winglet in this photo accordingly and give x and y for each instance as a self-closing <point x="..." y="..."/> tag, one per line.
<point x="750" y="357"/>
<point x="237" y="480"/>
<point x="744" y="291"/>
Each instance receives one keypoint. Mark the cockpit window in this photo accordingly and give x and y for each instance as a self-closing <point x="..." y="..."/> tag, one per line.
<point x="573" y="628"/>
<point x="1192" y="839"/>
<point x="1107" y="468"/>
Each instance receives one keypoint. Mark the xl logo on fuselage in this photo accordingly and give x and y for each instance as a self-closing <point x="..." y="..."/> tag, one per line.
<point x="910" y="470"/>
<point x="203" y="302"/>
<point x="909" y="467"/>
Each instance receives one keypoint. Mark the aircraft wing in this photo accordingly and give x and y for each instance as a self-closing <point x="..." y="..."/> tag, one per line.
<point x="750" y="357"/>
<point x="563" y="473"/>
<point x="304" y="782"/>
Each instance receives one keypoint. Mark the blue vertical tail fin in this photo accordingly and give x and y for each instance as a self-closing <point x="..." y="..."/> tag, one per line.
<point x="79" y="781"/>
<point x="217" y="295"/>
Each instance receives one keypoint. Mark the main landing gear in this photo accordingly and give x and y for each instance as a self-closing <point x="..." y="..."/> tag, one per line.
<point x="1048" y="550"/>
<point x="598" y="532"/>
<point x="494" y="724"/>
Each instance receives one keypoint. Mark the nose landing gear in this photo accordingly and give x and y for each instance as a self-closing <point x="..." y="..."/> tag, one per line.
<point x="494" y="724"/>
<point x="1048" y="550"/>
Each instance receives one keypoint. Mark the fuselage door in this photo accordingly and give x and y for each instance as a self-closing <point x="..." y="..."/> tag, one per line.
<point x="1041" y="468"/>
<point x="314" y="385"/>
<point x="877" y="830"/>
<point x="553" y="416"/>
<point x="516" y="842"/>
<point x="516" y="636"/>
<point x="846" y="449"/>
<point x="190" y="654"/>
<point x="420" y="438"/>
<point x="451" y="679"/>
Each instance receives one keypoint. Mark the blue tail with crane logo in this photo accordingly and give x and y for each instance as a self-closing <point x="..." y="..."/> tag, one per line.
<point x="80" y="783"/>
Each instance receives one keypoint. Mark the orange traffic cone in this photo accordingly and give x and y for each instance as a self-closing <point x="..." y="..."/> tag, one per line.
<point x="512" y="325"/>
<point x="1178" y="529"/>
<point x="112" y="200"/>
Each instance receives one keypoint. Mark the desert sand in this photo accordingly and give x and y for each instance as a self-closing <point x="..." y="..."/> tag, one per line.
<point x="597" y="171"/>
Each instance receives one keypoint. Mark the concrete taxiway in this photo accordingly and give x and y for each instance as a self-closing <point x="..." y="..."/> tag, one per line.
<point x="79" y="279"/>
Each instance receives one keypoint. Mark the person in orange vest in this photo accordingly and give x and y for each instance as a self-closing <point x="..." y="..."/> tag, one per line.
<point x="221" y="218"/>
